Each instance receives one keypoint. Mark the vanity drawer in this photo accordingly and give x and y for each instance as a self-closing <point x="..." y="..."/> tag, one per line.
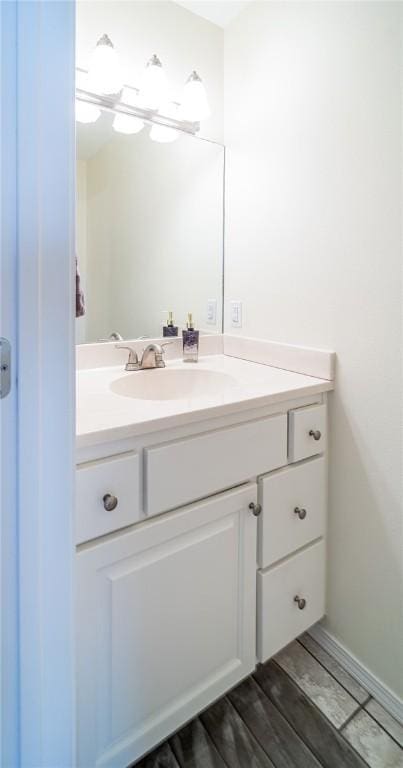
<point x="118" y="478"/>
<point x="294" y="509"/>
<point x="190" y="469"/>
<point x="307" y="432"/>
<point x="279" y="618"/>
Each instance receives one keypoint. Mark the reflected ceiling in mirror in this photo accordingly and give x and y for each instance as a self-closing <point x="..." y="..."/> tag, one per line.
<point x="149" y="231"/>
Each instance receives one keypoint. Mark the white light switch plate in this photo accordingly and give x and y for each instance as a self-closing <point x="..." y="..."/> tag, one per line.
<point x="236" y="314"/>
<point x="211" y="311"/>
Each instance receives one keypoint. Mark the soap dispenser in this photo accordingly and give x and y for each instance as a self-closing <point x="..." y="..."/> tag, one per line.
<point x="190" y="339"/>
<point x="170" y="329"/>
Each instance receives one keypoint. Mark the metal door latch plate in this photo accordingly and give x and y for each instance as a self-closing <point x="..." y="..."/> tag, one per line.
<point x="5" y="367"/>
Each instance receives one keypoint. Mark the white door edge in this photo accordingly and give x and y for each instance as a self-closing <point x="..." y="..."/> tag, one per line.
<point x="9" y="746"/>
<point x="46" y="244"/>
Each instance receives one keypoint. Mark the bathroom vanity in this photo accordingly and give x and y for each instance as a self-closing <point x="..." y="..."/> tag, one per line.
<point x="201" y="537"/>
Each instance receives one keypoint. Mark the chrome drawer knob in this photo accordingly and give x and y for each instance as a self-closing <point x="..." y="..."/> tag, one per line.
<point x="256" y="508"/>
<point x="110" y="502"/>
<point x="315" y="433"/>
<point x="301" y="512"/>
<point x="300" y="601"/>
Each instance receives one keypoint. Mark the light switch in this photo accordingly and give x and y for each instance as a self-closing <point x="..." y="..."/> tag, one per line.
<point x="211" y="311"/>
<point x="236" y="314"/>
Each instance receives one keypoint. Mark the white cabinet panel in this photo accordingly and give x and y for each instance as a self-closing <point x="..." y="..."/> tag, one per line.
<point x="118" y="478"/>
<point x="279" y="619"/>
<point x="166" y="624"/>
<point x="182" y="471"/>
<point x="293" y="509"/>
<point x="307" y="432"/>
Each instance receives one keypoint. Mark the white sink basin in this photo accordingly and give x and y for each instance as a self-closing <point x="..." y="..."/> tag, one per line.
<point x="173" y="384"/>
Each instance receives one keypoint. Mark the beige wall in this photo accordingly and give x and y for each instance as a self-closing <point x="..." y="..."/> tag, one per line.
<point x="313" y="129"/>
<point x="182" y="40"/>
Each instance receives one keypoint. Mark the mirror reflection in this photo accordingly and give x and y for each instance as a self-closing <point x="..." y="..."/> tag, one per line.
<point x="149" y="231"/>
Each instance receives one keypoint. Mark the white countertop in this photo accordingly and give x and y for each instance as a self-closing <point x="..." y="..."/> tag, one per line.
<point x="104" y="415"/>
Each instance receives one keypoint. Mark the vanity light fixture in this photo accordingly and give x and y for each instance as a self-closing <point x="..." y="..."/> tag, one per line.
<point x="101" y="88"/>
<point x="86" y="113"/>
<point x="153" y="89"/>
<point x="127" y="124"/>
<point x="194" y="101"/>
<point x="104" y="75"/>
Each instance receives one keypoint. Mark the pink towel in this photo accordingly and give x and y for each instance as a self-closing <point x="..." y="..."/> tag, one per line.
<point x="80" y="302"/>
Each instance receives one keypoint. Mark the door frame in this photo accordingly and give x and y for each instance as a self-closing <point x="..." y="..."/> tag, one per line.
<point x="9" y="747"/>
<point x="46" y="405"/>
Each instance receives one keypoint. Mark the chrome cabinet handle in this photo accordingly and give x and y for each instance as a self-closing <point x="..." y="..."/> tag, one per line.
<point x="300" y="601"/>
<point x="256" y="508"/>
<point x="315" y="433"/>
<point x="301" y="512"/>
<point x="110" y="502"/>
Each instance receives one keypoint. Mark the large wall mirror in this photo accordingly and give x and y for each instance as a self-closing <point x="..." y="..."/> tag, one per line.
<point x="149" y="231"/>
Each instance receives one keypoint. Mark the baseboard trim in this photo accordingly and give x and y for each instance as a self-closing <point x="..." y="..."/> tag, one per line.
<point x="389" y="700"/>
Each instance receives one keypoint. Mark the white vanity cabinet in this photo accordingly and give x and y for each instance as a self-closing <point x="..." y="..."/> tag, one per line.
<point x="291" y="547"/>
<point x="166" y="624"/>
<point x="208" y="556"/>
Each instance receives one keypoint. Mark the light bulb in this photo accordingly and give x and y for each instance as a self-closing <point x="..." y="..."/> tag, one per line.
<point x="154" y="85"/>
<point x="104" y="75"/>
<point x="127" y="124"/>
<point x="194" y="105"/>
<point x="162" y="133"/>
<point x="86" y="113"/>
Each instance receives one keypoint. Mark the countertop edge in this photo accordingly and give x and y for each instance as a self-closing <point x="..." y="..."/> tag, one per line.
<point x="99" y="437"/>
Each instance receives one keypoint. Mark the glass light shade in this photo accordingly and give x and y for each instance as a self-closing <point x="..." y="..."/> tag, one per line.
<point x="194" y="105"/>
<point x="153" y="87"/>
<point x="162" y="133"/>
<point x="86" y="113"/>
<point x="127" y="124"/>
<point x="104" y="75"/>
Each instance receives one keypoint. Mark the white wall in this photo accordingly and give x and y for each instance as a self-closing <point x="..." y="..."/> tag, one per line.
<point x="182" y="40"/>
<point x="313" y="128"/>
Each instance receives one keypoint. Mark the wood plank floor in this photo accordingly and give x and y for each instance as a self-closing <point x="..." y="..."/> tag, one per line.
<point x="299" y="710"/>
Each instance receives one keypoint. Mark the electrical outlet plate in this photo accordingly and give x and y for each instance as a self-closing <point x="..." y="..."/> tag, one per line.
<point x="211" y="312"/>
<point x="236" y="314"/>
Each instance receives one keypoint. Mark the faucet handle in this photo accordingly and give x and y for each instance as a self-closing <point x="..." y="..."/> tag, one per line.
<point x="133" y="361"/>
<point x="162" y="348"/>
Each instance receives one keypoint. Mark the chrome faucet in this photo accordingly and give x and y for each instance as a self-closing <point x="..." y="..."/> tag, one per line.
<point x="152" y="357"/>
<point x="114" y="336"/>
<point x="133" y="360"/>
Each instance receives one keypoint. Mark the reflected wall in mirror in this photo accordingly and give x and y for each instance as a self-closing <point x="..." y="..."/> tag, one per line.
<point x="149" y="231"/>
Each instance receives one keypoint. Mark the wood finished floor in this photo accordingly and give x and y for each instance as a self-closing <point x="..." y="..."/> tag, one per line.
<point x="299" y="710"/>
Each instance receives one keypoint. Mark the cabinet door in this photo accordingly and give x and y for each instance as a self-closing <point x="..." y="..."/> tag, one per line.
<point x="166" y="624"/>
